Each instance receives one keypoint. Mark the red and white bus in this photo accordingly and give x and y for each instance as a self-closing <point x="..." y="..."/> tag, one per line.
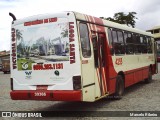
<point x="71" y="56"/>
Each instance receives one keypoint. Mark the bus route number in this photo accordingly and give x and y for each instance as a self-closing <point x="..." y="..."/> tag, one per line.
<point x="39" y="94"/>
<point x="119" y="61"/>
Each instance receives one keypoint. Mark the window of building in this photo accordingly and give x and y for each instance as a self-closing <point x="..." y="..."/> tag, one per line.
<point x="156" y="31"/>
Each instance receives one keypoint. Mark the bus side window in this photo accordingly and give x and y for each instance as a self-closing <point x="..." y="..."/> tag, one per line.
<point x="144" y="44"/>
<point x="95" y="48"/>
<point x="110" y="41"/>
<point x="101" y="42"/>
<point x="85" y="42"/>
<point x="125" y="38"/>
<point x="118" y="42"/>
<point x="136" y="40"/>
<point x="138" y="44"/>
<point x="121" y="45"/>
<point x="149" y="45"/>
<point x="129" y="44"/>
<point x="115" y="42"/>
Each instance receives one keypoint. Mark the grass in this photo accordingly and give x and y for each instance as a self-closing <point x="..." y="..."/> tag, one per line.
<point x="20" y="62"/>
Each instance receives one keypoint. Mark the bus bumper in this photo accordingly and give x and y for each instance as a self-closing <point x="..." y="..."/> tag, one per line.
<point x="47" y="95"/>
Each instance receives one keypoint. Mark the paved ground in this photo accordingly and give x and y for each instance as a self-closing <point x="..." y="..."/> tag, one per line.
<point x="139" y="97"/>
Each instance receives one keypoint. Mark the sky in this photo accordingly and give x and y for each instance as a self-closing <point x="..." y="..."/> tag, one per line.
<point x="148" y="11"/>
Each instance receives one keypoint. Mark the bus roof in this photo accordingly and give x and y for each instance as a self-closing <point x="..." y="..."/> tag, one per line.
<point x="108" y="23"/>
<point x="81" y="16"/>
<point x="41" y="16"/>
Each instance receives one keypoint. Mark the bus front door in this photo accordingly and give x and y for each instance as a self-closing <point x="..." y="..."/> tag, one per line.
<point x="99" y="46"/>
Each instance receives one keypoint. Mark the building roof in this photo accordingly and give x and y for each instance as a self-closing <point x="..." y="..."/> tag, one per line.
<point x="4" y="53"/>
<point x="154" y="28"/>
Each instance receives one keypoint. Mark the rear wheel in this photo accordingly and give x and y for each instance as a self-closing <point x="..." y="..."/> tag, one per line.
<point x="149" y="79"/>
<point x="119" y="87"/>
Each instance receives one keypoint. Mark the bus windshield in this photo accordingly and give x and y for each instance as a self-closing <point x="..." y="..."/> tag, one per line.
<point x="47" y="42"/>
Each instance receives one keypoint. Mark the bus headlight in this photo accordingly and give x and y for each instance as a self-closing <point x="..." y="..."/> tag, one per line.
<point x="76" y="82"/>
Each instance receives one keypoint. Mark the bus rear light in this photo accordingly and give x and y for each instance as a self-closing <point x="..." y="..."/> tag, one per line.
<point x="76" y="82"/>
<point x="11" y="83"/>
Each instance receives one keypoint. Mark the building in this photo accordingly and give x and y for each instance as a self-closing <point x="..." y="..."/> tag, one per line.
<point x="3" y="55"/>
<point x="156" y="32"/>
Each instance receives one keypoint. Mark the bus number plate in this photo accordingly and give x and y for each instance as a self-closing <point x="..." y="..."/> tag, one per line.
<point x="39" y="94"/>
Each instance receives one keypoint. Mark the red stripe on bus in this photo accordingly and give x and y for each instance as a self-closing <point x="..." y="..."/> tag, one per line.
<point x="103" y="85"/>
<point x="90" y="19"/>
<point x="103" y="72"/>
<point x="49" y="95"/>
<point x="93" y="28"/>
<point x="104" y="77"/>
<point x="101" y="77"/>
<point x="97" y="71"/>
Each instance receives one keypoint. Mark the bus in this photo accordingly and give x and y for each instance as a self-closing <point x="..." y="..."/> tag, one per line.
<point x="91" y="58"/>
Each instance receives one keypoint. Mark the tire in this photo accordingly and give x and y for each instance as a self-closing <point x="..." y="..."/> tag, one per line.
<point x="149" y="79"/>
<point x="119" y="87"/>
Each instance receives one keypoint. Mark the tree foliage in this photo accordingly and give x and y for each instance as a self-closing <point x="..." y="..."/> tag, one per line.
<point x="122" y="18"/>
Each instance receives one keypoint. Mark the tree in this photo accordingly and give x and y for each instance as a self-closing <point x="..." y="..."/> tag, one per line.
<point x="120" y="17"/>
<point x="64" y="33"/>
<point x="22" y="48"/>
<point x="18" y="34"/>
<point x="21" y="44"/>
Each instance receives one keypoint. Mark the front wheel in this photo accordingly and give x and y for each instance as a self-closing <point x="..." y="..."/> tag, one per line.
<point x="119" y="87"/>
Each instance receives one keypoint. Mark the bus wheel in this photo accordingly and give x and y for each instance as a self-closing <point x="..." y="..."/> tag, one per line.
<point x="119" y="87"/>
<point x="149" y="79"/>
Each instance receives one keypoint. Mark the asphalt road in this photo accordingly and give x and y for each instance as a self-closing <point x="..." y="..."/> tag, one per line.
<point x="139" y="97"/>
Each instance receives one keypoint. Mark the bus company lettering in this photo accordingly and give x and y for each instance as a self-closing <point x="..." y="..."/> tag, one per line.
<point x="71" y="40"/>
<point x="14" y="64"/>
<point x="48" y="66"/>
<point x="36" y="22"/>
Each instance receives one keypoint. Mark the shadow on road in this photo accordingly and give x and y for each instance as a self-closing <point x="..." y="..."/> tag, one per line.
<point x="93" y="106"/>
